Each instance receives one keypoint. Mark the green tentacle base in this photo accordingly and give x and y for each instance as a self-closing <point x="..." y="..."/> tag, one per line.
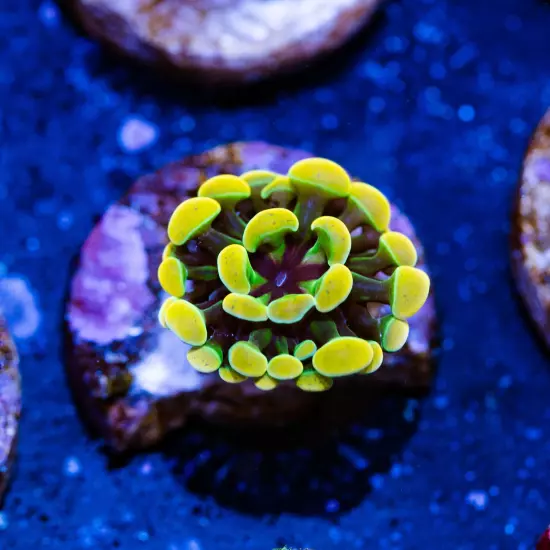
<point x="266" y="281"/>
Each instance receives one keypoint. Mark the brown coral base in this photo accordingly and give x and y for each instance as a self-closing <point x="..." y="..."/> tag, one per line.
<point x="130" y="376"/>
<point x="531" y="230"/>
<point x="229" y="41"/>
<point x="10" y="405"/>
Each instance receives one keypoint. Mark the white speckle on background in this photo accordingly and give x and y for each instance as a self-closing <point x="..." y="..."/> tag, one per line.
<point x="48" y="12"/>
<point x="441" y="402"/>
<point x="72" y="466"/>
<point x="477" y="499"/>
<point x="146" y="468"/>
<point x="136" y="134"/>
<point x="142" y="536"/>
<point x="466" y="113"/>
<point x="533" y="434"/>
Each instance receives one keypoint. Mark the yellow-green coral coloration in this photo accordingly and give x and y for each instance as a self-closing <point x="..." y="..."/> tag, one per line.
<point x="366" y="204"/>
<point x="247" y="359"/>
<point x="266" y="383"/>
<point x="333" y="288"/>
<point x="269" y="227"/>
<point x="245" y="307"/>
<point x="280" y="191"/>
<point x="162" y="311"/>
<point x="334" y="238"/>
<point x="207" y="358"/>
<point x="317" y="182"/>
<point x="304" y="350"/>
<point x="290" y="309"/>
<point x="278" y="289"/>
<point x="227" y="374"/>
<point x="394" y="249"/>
<point x="409" y="291"/>
<point x="405" y="291"/>
<point x="192" y="217"/>
<point x="187" y="322"/>
<point x="320" y="176"/>
<point x="228" y="190"/>
<point x="169" y="250"/>
<point x="311" y="380"/>
<point x="377" y="357"/>
<point x="258" y="179"/>
<point x="394" y="333"/>
<point x="172" y="275"/>
<point x="285" y="367"/>
<point x="234" y="268"/>
<point x="343" y="356"/>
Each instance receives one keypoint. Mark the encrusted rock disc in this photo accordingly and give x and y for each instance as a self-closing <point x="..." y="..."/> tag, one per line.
<point x="131" y="376"/>
<point x="10" y="404"/>
<point x="224" y="40"/>
<point x="531" y="229"/>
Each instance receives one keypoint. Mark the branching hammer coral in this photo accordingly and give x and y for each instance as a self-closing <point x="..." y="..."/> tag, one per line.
<point x="271" y="277"/>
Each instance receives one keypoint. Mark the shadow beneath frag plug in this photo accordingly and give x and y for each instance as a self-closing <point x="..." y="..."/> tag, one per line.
<point x="322" y="466"/>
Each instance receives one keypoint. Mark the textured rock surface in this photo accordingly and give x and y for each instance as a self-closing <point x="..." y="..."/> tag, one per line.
<point x="224" y="40"/>
<point x="130" y="375"/>
<point x="531" y="229"/>
<point x="10" y="404"/>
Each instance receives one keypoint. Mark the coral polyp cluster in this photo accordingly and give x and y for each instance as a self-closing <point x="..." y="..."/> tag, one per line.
<point x="277" y="277"/>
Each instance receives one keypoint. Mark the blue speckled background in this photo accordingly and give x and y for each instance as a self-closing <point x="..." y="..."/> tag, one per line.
<point x="434" y="105"/>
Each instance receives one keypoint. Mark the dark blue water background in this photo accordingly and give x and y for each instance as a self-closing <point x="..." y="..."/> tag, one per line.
<point x="435" y="106"/>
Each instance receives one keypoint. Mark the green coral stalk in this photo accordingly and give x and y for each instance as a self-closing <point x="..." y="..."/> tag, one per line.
<point x="270" y="277"/>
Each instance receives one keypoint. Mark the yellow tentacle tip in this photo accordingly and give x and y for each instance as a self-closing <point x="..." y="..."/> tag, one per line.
<point x="258" y="178"/>
<point x="227" y="374"/>
<point x="187" y="322"/>
<point x="343" y="356"/>
<point x="266" y="383"/>
<point x="399" y="248"/>
<point x="304" y="350"/>
<point x="191" y="218"/>
<point x="290" y="308"/>
<point x="163" y="308"/>
<point x="247" y="359"/>
<point x="285" y="367"/>
<point x="333" y="288"/>
<point x="377" y="358"/>
<point x="206" y="359"/>
<point x="312" y="381"/>
<point x="279" y="186"/>
<point x="321" y="176"/>
<point x="394" y="333"/>
<point x="372" y="203"/>
<point x="233" y="268"/>
<point x="169" y="251"/>
<point x="245" y="307"/>
<point x="172" y="276"/>
<point x="225" y="188"/>
<point x="269" y="226"/>
<point x="409" y="291"/>
<point x="334" y="238"/>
